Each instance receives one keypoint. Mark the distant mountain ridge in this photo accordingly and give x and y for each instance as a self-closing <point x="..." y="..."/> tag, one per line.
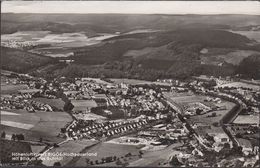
<point x="111" y="23"/>
<point x="173" y="51"/>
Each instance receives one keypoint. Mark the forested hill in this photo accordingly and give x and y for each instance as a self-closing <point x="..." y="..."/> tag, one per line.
<point x="158" y="55"/>
<point x="173" y="49"/>
<point x="21" y="61"/>
<point x="178" y="43"/>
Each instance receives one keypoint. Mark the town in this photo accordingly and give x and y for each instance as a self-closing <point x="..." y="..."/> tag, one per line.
<point x="202" y="121"/>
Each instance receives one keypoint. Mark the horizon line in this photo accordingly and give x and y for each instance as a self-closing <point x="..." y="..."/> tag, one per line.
<point x="132" y="13"/>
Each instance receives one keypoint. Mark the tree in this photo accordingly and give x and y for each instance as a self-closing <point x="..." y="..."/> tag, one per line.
<point x="118" y="162"/>
<point x="226" y="145"/>
<point x="169" y="118"/>
<point x="198" y="111"/>
<point x="68" y="106"/>
<point x="63" y="130"/>
<point x="57" y="164"/>
<point x="20" y="137"/>
<point x="37" y="85"/>
<point x="215" y="124"/>
<point x="114" y="158"/>
<point x="87" y="160"/>
<point x="174" y="161"/>
<point x="3" y="135"/>
<point x="55" y="145"/>
<point x="128" y="154"/>
<point x="40" y="139"/>
<point x="214" y="114"/>
<point x="13" y="137"/>
<point x="109" y="159"/>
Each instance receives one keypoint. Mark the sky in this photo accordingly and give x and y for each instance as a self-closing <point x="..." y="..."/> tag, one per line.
<point x="132" y="7"/>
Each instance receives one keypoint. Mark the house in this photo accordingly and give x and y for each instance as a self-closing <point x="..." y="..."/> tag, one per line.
<point x="246" y="145"/>
<point x="220" y="137"/>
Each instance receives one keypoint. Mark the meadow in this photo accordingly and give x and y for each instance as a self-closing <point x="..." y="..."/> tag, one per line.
<point x="130" y="81"/>
<point x="69" y="147"/>
<point x="11" y="88"/>
<point x="250" y="34"/>
<point x="214" y="56"/>
<point x="46" y="125"/>
<point x="247" y="119"/>
<point x="241" y="84"/>
<point x="60" y="44"/>
<point x="108" y="149"/>
<point x="57" y="103"/>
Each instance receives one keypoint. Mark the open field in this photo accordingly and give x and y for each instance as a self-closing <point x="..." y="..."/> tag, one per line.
<point x="130" y="81"/>
<point x="5" y="72"/>
<point x="17" y="124"/>
<point x="89" y="116"/>
<point x="8" y="113"/>
<point x="241" y="84"/>
<point x="250" y="34"/>
<point x="108" y="149"/>
<point x="35" y="125"/>
<point x="155" y="157"/>
<point x="185" y="98"/>
<point x="69" y="147"/>
<point x="247" y="119"/>
<point x="60" y="44"/>
<point x="215" y="56"/>
<point x="58" y="103"/>
<point x="12" y="89"/>
<point x="97" y="80"/>
<point x="83" y="105"/>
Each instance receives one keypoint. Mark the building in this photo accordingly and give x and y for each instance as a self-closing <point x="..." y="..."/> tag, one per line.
<point x="246" y="145"/>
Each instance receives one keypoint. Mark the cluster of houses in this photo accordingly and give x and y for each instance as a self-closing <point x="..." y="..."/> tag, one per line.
<point x="18" y="44"/>
<point x="136" y="99"/>
<point x="246" y="137"/>
<point x="246" y="96"/>
<point x="29" y="105"/>
<point x="87" y="129"/>
<point x="138" y="103"/>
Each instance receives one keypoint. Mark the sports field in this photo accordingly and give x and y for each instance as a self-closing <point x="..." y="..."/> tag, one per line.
<point x="219" y="114"/>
